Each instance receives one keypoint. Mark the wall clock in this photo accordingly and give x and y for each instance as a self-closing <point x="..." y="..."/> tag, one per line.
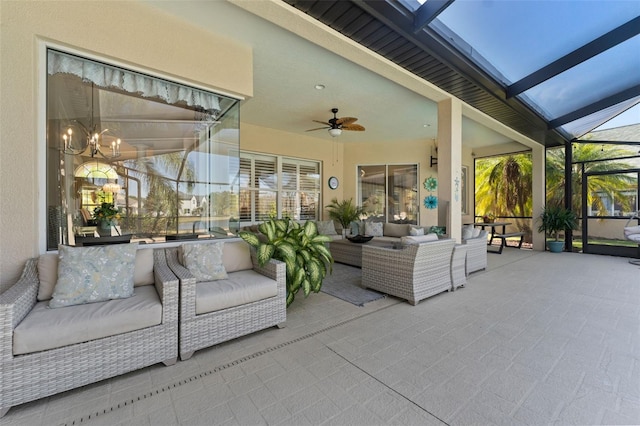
<point x="333" y="182"/>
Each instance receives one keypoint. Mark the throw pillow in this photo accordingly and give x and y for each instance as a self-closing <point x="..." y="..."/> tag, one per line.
<point x="204" y="261"/>
<point x="47" y="275"/>
<point x="374" y="229"/>
<point x="630" y="230"/>
<point x="94" y="274"/>
<point x="419" y="239"/>
<point x="326" y="227"/>
<point x="475" y="232"/>
<point x="416" y="230"/>
<point x="467" y="232"/>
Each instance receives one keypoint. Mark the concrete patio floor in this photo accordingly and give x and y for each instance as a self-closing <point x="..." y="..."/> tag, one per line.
<point x="537" y="339"/>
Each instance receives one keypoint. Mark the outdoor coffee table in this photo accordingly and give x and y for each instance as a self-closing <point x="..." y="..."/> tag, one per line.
<point x="344" y="251"/>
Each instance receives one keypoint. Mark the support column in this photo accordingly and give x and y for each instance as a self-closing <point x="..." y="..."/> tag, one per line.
<point x="450" y="167"/>
<point x="538" y="193"/>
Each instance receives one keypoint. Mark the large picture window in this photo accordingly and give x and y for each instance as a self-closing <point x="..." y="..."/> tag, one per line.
<point x="272" y="186"/>
<point x="389" y="192"/>
<point x="162" y="154"/>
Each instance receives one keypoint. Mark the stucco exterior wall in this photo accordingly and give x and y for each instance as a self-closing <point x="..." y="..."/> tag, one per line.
<point x="127" y="32"/>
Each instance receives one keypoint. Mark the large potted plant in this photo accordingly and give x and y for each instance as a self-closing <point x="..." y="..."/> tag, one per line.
<point x="556" y="219"/>
<point x="344" y="212"/>
<point x="300" y="247"/>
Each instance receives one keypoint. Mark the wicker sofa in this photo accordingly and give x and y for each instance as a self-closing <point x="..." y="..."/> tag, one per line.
<point x="413" y="272"/>
<point x="249" y="299"/>
<point x="45" y="351"/>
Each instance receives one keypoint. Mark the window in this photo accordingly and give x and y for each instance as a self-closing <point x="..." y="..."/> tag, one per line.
<point x="389" y="193"/>
<point x="165" y="154"/>
<point x="272" y="186"/>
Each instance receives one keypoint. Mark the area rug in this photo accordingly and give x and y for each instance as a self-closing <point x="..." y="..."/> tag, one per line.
<point x="346" y="283"/>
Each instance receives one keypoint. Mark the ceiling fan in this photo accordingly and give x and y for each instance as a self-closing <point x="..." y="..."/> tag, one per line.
<point x="337" y="125"/>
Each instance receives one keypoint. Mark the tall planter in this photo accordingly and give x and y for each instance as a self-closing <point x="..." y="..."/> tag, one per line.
<point x="344" y="212"/>
<point x="556" y="219"/>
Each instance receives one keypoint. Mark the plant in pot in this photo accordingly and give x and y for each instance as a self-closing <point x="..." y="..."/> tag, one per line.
<point x="300" y="246"/>
<point x="344" y="212"/>
<point x="106" y="215"/>
<point x="556" y="219"/>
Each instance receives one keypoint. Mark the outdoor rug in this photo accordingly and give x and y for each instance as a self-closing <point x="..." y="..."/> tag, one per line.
<point x="346" y="283"/>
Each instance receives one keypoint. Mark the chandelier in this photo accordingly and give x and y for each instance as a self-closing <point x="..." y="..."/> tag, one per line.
<point x="91" y="138"/>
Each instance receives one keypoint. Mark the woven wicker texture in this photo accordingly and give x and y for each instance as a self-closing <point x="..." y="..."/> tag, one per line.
<point x="458" y="266"/>
<point x="32" y="376"/>
<point x="344" y="251"/>
<point x="476" y="252"/>
<point x="414" y="272"/>
<point x="204" y="330"/>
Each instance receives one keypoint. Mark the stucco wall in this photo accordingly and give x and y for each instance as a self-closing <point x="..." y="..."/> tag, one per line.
<point x="131" y="33"/>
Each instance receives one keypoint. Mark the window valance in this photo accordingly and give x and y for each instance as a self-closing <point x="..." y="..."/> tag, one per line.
<point x="112" y="77"/>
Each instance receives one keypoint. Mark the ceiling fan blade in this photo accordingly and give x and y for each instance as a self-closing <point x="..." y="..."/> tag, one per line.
<point x="318" y="128"/>
<point x="322" y="122"/>
<point x="346" y="120"/>
<point x="353" y="127"/>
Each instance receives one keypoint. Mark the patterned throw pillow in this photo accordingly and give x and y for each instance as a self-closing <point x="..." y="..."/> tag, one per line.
<point x="374" y="229"/>
<point x="94" y="274"/>
<point x="326" y="227"/>
<point x="204" y="261"/>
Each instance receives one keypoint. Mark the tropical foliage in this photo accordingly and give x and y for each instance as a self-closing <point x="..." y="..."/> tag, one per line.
<point x="556" y="218"/>
<point x="300" y="246"/>
<point x="587" y="156"/>
<point x="106" y="212"/>
<point x="344" y="212"/>
<point x="503" y="187"/>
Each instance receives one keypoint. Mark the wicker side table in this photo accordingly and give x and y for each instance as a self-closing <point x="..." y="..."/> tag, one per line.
<point x="458" y="266"/>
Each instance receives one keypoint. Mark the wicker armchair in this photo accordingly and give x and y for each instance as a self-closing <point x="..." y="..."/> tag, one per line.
<point x="414" y="272"/>
<point x="202" y="330"/>
<point x="476" y="252"/>
<point x="35" y="375"/>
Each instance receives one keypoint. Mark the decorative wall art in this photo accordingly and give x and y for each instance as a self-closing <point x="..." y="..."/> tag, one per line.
<point x="431" y="185"/>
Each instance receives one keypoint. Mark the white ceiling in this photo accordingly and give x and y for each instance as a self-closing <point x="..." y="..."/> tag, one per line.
<point x="287" y="68"/>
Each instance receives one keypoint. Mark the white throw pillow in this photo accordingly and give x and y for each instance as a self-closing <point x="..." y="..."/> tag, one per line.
<point x="416" y="230"/>
<point x="204" y="261"/>
<point x="467" y="232"/>
<point x="630" y="230"/>
<point x="94" y="274"/>
<point x="475" y="232"/>
<point x="374" y="229"/>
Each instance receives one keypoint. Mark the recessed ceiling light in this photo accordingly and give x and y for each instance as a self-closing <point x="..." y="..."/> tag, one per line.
<point x="319" y="86"/>
<point x="426" y="125"/>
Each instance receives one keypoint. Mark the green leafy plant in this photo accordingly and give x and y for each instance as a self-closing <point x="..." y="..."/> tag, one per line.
<point x="344" y="211"/>
<point x="300" y="246"/>
<point x="554" y="219"/>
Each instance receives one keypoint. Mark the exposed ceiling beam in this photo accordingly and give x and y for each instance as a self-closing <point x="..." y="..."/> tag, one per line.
<point x="427" y="12"/>
<point x="588" y="51"/>
<point x="607" y="102"/>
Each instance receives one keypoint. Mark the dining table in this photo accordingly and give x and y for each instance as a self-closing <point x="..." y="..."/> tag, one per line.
<point x="493" y="226"/>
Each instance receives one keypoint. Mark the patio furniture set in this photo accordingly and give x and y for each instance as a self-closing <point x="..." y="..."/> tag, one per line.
<point x="56" y="336"/>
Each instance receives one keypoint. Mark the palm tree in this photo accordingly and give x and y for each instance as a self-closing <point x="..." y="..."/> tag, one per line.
<point x="610" y="184"/>
<point x="503" y="187"/>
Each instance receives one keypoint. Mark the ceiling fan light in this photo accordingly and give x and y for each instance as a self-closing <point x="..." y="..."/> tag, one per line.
<point x="335" y="132"/>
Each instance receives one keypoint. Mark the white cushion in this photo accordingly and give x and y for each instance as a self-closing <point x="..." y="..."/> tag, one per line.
<point x="467" y="232"/>
<point x="236" y="256"/>
<point x="630" y="230"/>
<point x="143" y="273"/>
<point x="475" y="232"/>
<point x="416" y="230"/>
<point x="374" y="229"/>
<point x="239" y="288"/>
<point x="94" y="274"/>
<point x="45" y="328"/>
<point x="395" y="229"/>
<point x="204" y="261"/>
<point x="419" y="239"/>
<point x="47" y="275"/>
<point x="326" y="227"/>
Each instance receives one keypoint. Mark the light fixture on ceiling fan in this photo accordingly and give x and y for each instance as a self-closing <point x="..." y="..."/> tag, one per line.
<point x="337" y="125"/>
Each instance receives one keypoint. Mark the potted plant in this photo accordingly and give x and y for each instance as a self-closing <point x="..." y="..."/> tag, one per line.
<point x="299" y="246"/>
<point x="488" y="218"/>
<point x="106" y="215"/>
<point x="344" y="212"/>
<point x="555" y="219"/>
